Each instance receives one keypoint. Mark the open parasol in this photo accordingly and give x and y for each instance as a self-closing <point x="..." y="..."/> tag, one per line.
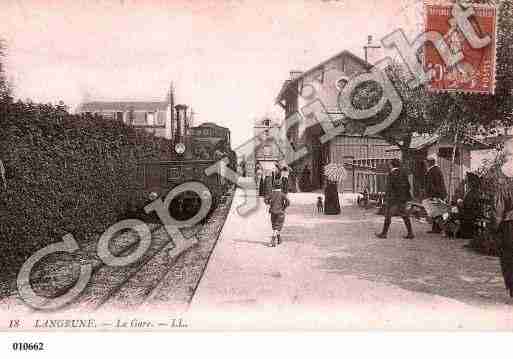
<point x="335" y="172"/>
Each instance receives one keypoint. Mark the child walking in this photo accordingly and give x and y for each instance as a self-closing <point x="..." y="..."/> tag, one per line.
<point x="277" y="202"/>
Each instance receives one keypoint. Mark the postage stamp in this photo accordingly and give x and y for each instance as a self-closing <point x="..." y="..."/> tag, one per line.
<point x="241" y="165"/>
<point x="475" y="73"/>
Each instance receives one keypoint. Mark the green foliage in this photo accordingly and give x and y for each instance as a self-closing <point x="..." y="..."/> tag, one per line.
<point x="505" y="61"/>
<point x="5" y="91"/>
<point x="65" y="174"/>
<point x="415" y="116"/>
<point x="448" y="113"/>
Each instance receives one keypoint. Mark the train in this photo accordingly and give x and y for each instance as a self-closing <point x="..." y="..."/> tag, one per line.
<point x="202" y="147"/>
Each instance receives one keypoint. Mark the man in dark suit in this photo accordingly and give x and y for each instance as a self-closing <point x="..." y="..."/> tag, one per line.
<point x="396" y="196"/>
<point x="434" y="187"/>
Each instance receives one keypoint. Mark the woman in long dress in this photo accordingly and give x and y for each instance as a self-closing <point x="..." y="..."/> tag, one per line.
<point x="276" y="175"/>
<point x="305" y="184"/>
<point x="331" y="201"/>
<point x="504" y="215"/>
<point x="335" y="173"/>
<point x="259" y="176"/>
<point x="285" y="179"/>
<point x="267" y="183"/>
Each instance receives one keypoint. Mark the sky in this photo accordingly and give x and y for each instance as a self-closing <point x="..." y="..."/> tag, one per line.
<point x="226" y="59"/>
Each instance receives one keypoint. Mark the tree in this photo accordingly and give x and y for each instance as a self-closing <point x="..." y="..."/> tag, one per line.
<point x="417" y="116"/>
<point x="504" y="77"/>
<point x="5" y="90"/>
<point x="448" y="114"/>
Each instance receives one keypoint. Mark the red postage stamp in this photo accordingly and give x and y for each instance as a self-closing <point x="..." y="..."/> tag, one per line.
<point x="475" y="73"/>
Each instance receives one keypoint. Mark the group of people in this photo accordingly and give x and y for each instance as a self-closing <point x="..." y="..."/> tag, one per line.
<point x="273" y="185"/>
<point x="266" y="179"/>
<point x="398" y="194"/>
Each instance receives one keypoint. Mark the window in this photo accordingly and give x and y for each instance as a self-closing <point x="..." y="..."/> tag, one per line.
<point x="140" y="175"/>
<point x="268" y="151"/>
<point x="173" y="173"/>
<point x="318" y="74"/>
<point x="267" y="123"/>
<point x="342" y="83"/>
<point x="291" y="107"/>
<point x="188" y="172"/>
<point x="160" y="118"/>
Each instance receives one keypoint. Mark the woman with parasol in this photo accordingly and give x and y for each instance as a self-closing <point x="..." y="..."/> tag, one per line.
<point x="335" y="173"/>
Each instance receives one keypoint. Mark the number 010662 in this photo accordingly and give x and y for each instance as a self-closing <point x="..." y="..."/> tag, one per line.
<point x="27" y="346"/>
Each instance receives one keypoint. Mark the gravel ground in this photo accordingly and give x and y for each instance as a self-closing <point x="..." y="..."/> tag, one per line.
<point x="429" y="263"/>
<point x="176" y="290"/>
<point x="331" y="272"/>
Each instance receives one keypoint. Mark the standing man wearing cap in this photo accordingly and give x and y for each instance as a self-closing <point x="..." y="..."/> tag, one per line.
<point x="278" y="203"/>
<point x="434" y="187"/>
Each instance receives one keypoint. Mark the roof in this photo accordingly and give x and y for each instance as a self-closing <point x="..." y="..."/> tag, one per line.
<point x="345" y="53"/>
<point x="421" y="142"/>
<point x="209" y="124"/>
<point x="496" y="140"/>
<point x="283" y="89"/>
<point x="123" y="106"/>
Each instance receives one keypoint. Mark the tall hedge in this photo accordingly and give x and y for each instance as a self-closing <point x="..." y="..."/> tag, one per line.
<point x="65" y="174"/>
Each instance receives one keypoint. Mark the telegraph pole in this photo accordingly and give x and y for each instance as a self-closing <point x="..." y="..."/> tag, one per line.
<point x="191" y="122"/>
<point x="172" y="109"/>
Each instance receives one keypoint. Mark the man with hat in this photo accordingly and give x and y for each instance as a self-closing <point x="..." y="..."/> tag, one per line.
<point x="471" y="207"/>
<point x="396" y="196"/>
<point x="434" y="187"/>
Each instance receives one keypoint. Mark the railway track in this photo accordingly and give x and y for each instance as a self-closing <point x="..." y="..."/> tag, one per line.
<point x="156" y="279"/>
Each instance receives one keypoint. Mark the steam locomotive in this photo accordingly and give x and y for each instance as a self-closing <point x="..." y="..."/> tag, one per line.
<point x="201" y="148"/>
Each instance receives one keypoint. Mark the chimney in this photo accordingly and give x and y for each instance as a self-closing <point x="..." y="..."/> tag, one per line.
<point x="295" y="74"/>
<point x="171" y="100"/>
<point x="372" y="52"/>
<point x="181" y="117"/>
